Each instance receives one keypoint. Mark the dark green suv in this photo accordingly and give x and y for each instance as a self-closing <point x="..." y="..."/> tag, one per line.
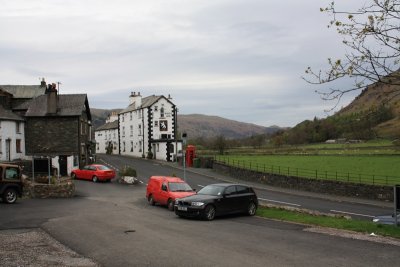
<point x="10" y="183"/>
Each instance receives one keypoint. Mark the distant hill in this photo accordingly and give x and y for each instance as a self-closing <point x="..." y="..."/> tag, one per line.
<point x="374" y="96"/>
<point x="99" y="116"/>
<point x="197" y="125"/>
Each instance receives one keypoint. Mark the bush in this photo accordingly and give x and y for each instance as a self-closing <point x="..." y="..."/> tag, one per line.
<point x="127" y="171"/>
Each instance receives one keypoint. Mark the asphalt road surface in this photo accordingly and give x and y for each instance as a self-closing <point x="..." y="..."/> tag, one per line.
<point x="114" y="225"/>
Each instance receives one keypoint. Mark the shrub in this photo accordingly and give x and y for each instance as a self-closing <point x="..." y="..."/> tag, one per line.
<point x="128" y="171"/>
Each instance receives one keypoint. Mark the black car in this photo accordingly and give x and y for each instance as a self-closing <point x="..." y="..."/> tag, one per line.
<point x="11" y="184"/>
<point x="386" y="219"/>
<point x="218" y="199"/>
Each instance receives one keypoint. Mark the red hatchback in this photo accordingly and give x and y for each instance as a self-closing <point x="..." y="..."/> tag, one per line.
<point x="94" y="172"/>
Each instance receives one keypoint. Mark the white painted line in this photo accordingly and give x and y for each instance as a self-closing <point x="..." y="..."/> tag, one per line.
<point x="351" y="213"/>
<point x="287" y="203"/>
<point x="200" y="185"/>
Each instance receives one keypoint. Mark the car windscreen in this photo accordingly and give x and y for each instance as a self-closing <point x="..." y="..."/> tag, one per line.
<point x="179" y="187"/>
<point x="104" y="168"/>
<point x="212" y="190"/>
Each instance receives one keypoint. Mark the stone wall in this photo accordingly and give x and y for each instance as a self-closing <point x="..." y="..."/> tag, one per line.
<point x="337" y="188"/>
<point x="61" y="189"/>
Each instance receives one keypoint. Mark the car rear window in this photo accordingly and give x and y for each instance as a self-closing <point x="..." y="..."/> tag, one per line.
<point x="104" y="168"/>
<point x="179" y="187"/>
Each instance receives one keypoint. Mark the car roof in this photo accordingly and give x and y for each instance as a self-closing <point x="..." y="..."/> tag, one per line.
<point x="8" y="165"/>
<point x="228" y="184"/>
<point x="168" y="179"/>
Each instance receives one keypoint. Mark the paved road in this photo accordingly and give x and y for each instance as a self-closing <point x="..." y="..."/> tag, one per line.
<point x="114" y="225"/>
<point x="356" y="208"/>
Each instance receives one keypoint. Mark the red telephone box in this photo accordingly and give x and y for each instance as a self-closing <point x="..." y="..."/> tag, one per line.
<point x="190" y="155"/>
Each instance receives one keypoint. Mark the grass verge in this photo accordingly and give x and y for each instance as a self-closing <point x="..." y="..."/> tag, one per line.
<point x="328" y="221"/>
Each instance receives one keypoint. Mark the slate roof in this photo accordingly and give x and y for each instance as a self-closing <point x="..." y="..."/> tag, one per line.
<point x="146" y="102"/>
<point x="6" y="114"/>
<point x="108" y="126"/>
<point x="68" y="105"/>
<point x="24" y="91"/>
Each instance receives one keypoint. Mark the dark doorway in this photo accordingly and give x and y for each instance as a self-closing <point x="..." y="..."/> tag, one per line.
<point x="62" y="161"/>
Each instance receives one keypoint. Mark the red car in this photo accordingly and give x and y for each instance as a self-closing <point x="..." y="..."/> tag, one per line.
<point x="94" y="172"/>
<point x="164" y="190"/>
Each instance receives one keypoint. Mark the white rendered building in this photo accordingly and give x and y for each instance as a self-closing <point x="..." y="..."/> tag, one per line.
<point x="12" y="136"/>
<point x="107" y="136"/>
<point x="147" y="128"/>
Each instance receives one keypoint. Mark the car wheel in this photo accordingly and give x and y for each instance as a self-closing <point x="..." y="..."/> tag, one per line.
<point x="209" y="213"/>
<point x="10" y="196"/>
<point x="151" y="200"/>
<point x="251" y="209"/>
<point x="170" y="204"/>
<point x="95" y="179"/>
<point x="73" y="176"/>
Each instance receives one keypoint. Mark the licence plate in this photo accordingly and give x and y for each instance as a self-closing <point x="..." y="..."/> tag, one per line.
<point x="182" y="208"/>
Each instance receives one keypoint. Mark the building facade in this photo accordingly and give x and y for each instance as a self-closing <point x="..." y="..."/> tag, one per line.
<point x="107" y="136"/>
<point x="12" y="136"/>
<point x="147" y="128"/>
<point x="39" y="124"/>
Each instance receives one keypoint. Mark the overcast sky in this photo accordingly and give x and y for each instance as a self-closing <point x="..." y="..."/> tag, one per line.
<point x="238" y="59"/>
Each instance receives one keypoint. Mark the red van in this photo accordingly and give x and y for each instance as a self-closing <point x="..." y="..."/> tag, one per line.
<point x="164" y="190"/>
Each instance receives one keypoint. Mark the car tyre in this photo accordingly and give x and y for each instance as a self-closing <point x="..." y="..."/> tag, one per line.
<point x="170" y="204"/>
<point x="10" y="196"/>
<point x="209" y="213"/>
<point x="151" y="200"/>
<point x="251" y="209"/>
<point x="95" y="179"/>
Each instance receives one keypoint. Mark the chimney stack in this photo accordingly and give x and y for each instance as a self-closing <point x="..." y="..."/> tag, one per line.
<point x="135" y="99"/>
<point x="43" y="83"/>
<point x="52" y="99"/>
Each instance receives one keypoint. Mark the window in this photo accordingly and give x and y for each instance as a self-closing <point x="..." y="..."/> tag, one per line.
<point x="18" y="127"/>
<point x="131" y="132"/>
<point x="158" y="147"/>
<point x="140" y="146"/>
<point x="123" y="117"/>
<point x="123" y="131"/>
<point x="1" y="147"/>
<point x="155" y="108"/>
<point x="140" y="129"/>
<point x="242" y="189"/>
<point x="18" y="145"/>
<point x="11" y="173"/>
<point x="230" y="190"/>
<point x="130" y="115"/>
<point x="123" y="146"/>
<point x="131" y="146"/>
<point x="162" y="112"/>
<point x="155" y="123"/>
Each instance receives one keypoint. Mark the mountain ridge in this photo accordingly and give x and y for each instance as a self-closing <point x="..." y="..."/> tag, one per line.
<point x="201" y="126"/>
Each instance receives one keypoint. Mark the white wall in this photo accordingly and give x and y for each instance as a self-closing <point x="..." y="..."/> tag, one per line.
<point x="8" y="132"/>
<point x="103" y="137"/>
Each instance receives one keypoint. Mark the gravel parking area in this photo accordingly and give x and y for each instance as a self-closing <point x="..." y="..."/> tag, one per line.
<point x="34" y="247"/>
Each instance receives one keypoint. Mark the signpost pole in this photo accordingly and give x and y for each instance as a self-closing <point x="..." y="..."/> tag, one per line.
<point x="184" y="135"/>
<point x="396" y="201"/>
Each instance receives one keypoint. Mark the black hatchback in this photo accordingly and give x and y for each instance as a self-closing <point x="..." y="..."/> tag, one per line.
<point x="218" y="199"/>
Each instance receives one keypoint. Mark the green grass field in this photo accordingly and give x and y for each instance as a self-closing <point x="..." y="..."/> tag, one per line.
<point x="379" y="169"/>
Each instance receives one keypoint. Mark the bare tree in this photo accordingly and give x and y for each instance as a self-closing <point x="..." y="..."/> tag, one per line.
<point x="372" y="37"/>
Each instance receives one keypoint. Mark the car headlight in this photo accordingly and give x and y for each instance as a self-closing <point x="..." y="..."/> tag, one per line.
<point x="197" y="204"/>
<point x="375" y="220"/>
